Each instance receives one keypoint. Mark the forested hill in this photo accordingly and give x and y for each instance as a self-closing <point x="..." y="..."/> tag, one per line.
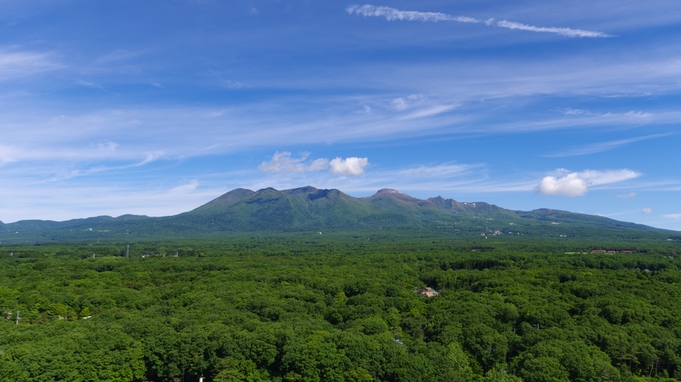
<point x="312" y="209"/>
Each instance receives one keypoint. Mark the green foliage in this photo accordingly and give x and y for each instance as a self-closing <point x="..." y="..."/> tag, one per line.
<point x="333" y="307"/>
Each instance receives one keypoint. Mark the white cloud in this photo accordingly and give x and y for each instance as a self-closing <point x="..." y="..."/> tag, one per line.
<point x="89" y="170"/>
<point x="578" y="183"/>
<point x="318" y="165"/>
<point x="407" y="102"/>
<point x="638" y="115"/>
<point x="568" y="32"/>
<point x="228" y="83"/>
<point x="8" y="154"/>
<point x="569" y="111"/>
<point x="417" y="180"/>
<point x="348" y="166"/>
<point x="627" y="196"/>
<point x="596" y="178"/>
<point x="440" y="171"/>
<point x="283" y="162"/>
<point x="672" y="216"/>
<point x="569" y="185"/>
<point x="52" y="135"/>
<point x="185" y="188"/>
<point x="603" y="146"/>
<point x="73" y="200"/>
<point x="428" y="112"/>
<point x="89" y="84"/>
<point x="399" y="103"/>
<point x="19" y="64"/>
<point x="647" y="210"/>
<point x="392" y="14"/>
<point x="417" y="106"/>
<point x="621" y="120"/>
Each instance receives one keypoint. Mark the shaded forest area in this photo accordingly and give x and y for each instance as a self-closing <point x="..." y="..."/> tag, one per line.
<point x="323" y="308"/>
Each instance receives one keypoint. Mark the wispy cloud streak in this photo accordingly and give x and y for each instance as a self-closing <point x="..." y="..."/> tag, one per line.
<point x="19" y="64"/>
<point x="603" y="146"/>
<point x="150" y="157"/>
<point x="392" y="14"/>
<point x="568" y="32"/>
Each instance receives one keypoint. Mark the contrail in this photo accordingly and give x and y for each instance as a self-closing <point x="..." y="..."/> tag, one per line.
<point x="569" y="32"/>
<point x="392" y="14"/>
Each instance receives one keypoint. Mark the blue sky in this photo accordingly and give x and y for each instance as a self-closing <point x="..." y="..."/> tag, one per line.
<point x="157" y="106"/>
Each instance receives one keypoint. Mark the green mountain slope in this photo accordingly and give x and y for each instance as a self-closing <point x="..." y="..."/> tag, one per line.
<point x="271" y="210"/>
<point x="312" y="209"/>
<point x="46" y="225"/>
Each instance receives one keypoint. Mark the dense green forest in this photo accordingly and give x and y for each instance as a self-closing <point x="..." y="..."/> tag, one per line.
<point x="311" y="307"/>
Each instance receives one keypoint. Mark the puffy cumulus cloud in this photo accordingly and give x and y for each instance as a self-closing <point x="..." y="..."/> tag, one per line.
<point x="283" y="162"/>
<point x="578" y="183"/>
<point x="647" y="210"/>
<point x="349" y="166"/>
<point x="569" y="185"/>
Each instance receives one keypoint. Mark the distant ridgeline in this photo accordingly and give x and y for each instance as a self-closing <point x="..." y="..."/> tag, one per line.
<point x="312" y="209"/>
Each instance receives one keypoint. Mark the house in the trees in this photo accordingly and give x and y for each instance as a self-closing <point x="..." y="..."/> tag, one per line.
<point x="429" y="292"/>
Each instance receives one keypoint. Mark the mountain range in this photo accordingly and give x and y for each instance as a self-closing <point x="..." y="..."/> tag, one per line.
<point x="312" y="209"/>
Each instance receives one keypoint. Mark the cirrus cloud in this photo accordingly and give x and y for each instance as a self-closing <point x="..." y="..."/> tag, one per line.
<point x="392" y="14"/>
<point x="15" y="64"/>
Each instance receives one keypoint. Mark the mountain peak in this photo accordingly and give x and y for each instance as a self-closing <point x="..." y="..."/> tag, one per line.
<point x="387" y="191"/>
<point x="301" y="190"/>
<point x="390" y="193"/>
